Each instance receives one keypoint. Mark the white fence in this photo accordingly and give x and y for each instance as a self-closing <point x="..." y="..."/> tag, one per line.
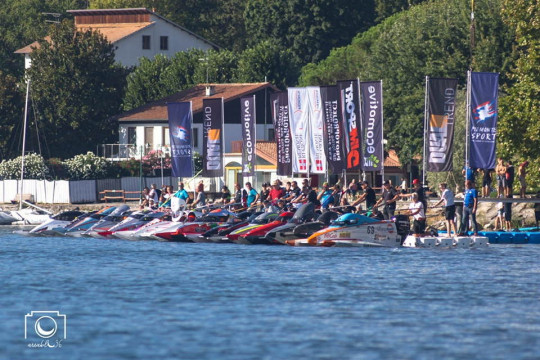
<point x="86" y="191"/>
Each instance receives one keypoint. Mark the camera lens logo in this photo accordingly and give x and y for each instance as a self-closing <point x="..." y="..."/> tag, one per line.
<point x="45" y="324"/>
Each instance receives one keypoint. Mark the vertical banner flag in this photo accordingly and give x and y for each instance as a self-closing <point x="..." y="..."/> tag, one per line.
<point x="180" y="122"/>
<point x="333" y="128"/>
<point x="440" y="127"/>
<point x="483" y="119"/>
<point x="280" y="116"/>
<point x="350" y="111"/>
<point x="247" y="108"/>
<point x="372" y="126"/>
<point x="212" y="137"/>
<point x="299" y="118"/>
<point x="317" y="154"/>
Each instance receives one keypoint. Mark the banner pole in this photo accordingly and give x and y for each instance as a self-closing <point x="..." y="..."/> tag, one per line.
<point x="426" y="106"/>
<point x="467" y="119"/>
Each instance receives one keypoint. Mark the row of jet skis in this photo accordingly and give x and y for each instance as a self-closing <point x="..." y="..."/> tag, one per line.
<point x="304" y="227"/>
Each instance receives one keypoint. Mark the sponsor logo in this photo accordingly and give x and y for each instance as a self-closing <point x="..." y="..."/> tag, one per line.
<point x="484" y="112"/>
<point x="181" y="134"/>
<point x="353" y="157"/>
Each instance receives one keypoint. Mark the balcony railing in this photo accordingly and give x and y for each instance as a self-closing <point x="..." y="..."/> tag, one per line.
<point x="126" y="151"/>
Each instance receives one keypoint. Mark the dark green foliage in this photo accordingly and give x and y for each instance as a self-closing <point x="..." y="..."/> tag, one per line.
<point x="310" y="29"/>
<point x="77" y="88"/>
<point x="429" y="39"/>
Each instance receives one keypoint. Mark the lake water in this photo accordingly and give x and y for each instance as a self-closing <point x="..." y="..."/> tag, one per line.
<point x="155" y="300"/>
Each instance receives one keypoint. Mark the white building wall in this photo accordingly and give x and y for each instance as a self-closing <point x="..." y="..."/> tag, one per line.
<point x="129" y="49"/>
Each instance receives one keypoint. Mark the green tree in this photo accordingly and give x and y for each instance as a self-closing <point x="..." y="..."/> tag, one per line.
<point x="76" y="87"/>
<point x="144" y="83"/>
<point x="432" y="39"/>
<point x="23" y="22"/>
<point x="11" y="105"/>
<point x="310" y="29"/>
<point x="519" y="127"/>
<point x="387" y="8"/>
<point x="269" y="61"/>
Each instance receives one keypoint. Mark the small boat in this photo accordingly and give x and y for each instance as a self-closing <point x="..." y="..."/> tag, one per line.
<point x="257" y="236"/>
<point x="59" y="220"/>
<point x="355" y="230"/>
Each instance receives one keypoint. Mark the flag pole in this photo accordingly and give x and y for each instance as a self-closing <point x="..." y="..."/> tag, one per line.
<point x="467" y="119"/>
<point x="424" y="160"/>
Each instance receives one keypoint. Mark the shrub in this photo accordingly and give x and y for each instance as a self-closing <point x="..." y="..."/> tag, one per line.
<point x="88" y="167"/>
<point x="34" y="168"/>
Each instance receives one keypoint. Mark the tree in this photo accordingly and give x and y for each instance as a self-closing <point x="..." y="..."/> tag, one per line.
<point x="310" y="29"/>
<point x="269" y="61"/>
<point x="11" y="105"/>
<point x="432" y="39"/>
<point x="21" y="23"/>
<point x="77" y="87"/>
<point x="143" y="84"/>
<point x="386" y="8"/>
<point x="519" y="127"/>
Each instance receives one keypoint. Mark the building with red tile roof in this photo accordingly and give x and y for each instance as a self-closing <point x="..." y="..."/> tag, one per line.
<point x="135" y="32"/>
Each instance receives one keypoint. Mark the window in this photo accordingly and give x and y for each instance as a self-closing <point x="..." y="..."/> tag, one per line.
<point x="146" y="42"/>
<point x="166" y="140"/>
<point x="164" y="43"/>
<point x="132" y="135"/>
<point x="271" y="135"/>
<point x="195" y="137"/>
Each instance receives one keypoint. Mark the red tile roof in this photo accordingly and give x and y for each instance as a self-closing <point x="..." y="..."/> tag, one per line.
<point x="392" y="160"/>
<point x="157" y="110"/>
<point x="112" y="32"/>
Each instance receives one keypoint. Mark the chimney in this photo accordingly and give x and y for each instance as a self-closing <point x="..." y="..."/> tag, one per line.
<point x="210" y="90"/>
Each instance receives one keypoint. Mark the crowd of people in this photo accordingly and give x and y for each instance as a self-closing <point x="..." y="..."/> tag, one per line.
<point x="358" y="196"/>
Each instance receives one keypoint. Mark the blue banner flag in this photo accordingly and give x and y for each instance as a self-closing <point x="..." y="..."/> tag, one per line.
<point x="180" y="121"/>
<point x="483" y="119"/>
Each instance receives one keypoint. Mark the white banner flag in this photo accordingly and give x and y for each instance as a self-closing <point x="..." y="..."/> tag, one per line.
<point x="317" y="156"/>
<point x="299" y="118"/>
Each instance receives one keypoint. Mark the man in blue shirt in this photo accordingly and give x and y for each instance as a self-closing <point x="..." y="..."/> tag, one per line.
<point x="181" y="193"/>
<point x="252" y="196"/>
<point x="470" y="204"/>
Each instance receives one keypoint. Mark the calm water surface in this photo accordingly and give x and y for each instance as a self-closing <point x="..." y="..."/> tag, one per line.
<point x="154" y="300"/>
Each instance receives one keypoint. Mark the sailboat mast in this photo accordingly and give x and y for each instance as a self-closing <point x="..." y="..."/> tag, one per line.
<point x="21" y="186"/>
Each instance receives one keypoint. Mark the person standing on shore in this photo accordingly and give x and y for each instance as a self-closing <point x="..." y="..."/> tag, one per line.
<point x="200" y="201"/>
<point x="486" y="182"/>
<point x="252" y="195"/>
<point x="389" y="197"/>
<point x="368" y="196"/>
<point x="522" y="172"/>
<point x="510" y="176"/>
<point x="470" y="204"/>
<point x="447" y="196"/>
<point x="500" y="169"/>
<point x="154" y="195"/>
<point x="417" y="211"/>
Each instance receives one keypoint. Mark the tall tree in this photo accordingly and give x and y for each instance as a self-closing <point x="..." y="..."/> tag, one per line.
<point x="11" y="104"/>
<point x="432" y="39"/>
<point x="309" y="28"/>
<point x="520" y="108"/>
<point x="77" y="87"/>
<point x="269" y="61"/>
<point x="23" y="22"/>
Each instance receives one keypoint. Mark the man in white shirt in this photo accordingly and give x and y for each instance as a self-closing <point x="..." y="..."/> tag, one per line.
<point x="416" y="210"/>
<point x="447" y="196"/>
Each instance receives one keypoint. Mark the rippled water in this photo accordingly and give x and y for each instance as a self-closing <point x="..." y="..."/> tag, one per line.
<point x="154" y="300"/>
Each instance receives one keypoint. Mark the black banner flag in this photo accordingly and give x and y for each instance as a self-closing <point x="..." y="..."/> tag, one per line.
<point x="212" y="137"/>
<point x="247" y="108"/>
<point x="440" y="124"/>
